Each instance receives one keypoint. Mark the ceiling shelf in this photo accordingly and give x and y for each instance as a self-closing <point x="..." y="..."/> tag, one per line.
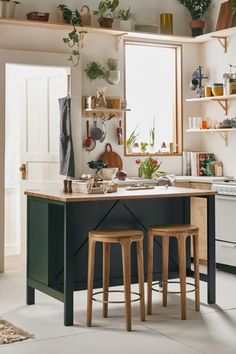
<point x="222" y="132"/>
<point x="119" y="34"/>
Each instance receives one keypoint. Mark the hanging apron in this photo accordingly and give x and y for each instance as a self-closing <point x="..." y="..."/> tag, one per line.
<point x="67" y="164"/>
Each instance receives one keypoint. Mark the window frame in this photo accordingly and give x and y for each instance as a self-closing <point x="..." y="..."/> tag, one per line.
<point x="179" y="96"/>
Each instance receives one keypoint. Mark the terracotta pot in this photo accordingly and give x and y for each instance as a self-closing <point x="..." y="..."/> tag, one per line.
<point x="59" y="16"/>
<point x="197" y="27"/>
<point x="105" y="22"/>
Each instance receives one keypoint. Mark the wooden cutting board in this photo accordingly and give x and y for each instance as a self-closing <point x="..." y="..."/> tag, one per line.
<point x="111" y="158"/>
<point x="225" y="18"/>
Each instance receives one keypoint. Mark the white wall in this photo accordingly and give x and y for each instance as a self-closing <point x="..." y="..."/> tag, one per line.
<point x="216" y="62"/>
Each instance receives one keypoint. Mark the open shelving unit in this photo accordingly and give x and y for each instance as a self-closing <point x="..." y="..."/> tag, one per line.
<point x="222" y="35"/>
<point x="222" y="132"/>
<point x="222" y="100"/>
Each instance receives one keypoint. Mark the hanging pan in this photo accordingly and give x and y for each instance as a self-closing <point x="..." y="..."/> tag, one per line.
<point x="89" y="142"/>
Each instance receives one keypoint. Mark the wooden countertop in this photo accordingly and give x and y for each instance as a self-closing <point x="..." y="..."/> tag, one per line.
<point x="122" y="193"/>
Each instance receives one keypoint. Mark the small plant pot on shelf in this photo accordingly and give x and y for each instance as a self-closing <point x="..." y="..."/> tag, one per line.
<point x="126" y="25"/>
<point x="113" y="77"/>
<point x="105" y="22"/>
<point x="197" y="27"/>
<point x="59" y="16"/>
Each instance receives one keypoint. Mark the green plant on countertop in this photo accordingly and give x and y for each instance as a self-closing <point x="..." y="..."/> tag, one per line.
<point x="112" y="64"/>
<point x="106" y="9"/>
<point x="132" y="138"/>
<point x="95" y="70"/>
<point x="126" y="15"/>
<point x="197" y="8"/>
<point x="74" y="37"/>
<point x="148" y="167"/>
<point x="97" y="165"/>
<point x="143" y="146"/>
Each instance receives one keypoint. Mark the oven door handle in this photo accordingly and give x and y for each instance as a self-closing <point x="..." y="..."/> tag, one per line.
<point x="227" y="245"/>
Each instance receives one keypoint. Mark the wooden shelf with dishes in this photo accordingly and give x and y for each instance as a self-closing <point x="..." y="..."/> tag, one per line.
<point x="223" y="132"/>
<point x="113" y="109"/>
<point x="103" y="112"/>
<point x="221" y="35"/>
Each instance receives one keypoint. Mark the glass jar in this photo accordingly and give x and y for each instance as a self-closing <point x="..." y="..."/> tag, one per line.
<point x="100" y="98"/>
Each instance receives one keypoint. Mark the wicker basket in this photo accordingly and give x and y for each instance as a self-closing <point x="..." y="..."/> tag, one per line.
<point x="38" y="16"/>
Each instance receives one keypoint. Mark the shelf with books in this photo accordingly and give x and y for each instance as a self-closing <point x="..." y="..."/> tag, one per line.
<point x="222" y="132"/>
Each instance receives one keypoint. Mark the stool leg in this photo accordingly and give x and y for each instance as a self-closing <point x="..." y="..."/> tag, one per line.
<point x="125" y="246"/>
<point x="165" y="264"/>
<point x="182" y="274"/>
<point x="150" y="240"/>
<point x="141" y="278"/>
<point x="90" y="281"/>
<point x="196" y="271"/>
<point x="106" y="275"/>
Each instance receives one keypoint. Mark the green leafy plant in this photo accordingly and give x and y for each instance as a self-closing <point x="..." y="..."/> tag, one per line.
<point x="197" y="8"/>
<point x="233" y="2"/>
<point x="126" y="15"/>
<point x="144" y="146"/>
<point x="97" y="165"/>
<point x="112" y="64"/>
<point x="106" y="8"/>
<point x="94" y="70"/>
<point x="74" y="37"/>
<point x="148" y="167"/>
<point x="132" y="138"/>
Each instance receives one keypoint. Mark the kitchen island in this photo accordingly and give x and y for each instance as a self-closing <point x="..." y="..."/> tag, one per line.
<point x="57" y="237"/>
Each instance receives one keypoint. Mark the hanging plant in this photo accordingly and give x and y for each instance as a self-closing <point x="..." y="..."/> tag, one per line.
<point x="94" y="71"/>
<point x="74" y="37"/>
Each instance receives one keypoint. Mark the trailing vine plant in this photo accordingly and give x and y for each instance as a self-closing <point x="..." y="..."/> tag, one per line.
<point x="74" y="37"/>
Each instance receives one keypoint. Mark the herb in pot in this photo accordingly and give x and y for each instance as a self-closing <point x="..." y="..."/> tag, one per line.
<point x="94" y="71"/>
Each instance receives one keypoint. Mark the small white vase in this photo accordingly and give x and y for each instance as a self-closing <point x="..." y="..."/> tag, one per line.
<point x="113" y="77"/>
<point x="126" y="25"/>
<point x="9" y="10"/>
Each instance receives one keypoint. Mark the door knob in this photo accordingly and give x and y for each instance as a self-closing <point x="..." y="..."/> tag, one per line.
<point x="23" y="170"/>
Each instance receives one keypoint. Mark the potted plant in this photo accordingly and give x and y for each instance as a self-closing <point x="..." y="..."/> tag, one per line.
<point x="7" y="8"/>
<point x="112" y="74"/>
<point x="125" y="17"/>
<point x="144" y="146"/>
<point x="106" y="12"/>
<point x="197" y="9"/>
<point x="94" y="71"/>
<point x="148" y="167"/>
<point x="73" y="39"/>
<point x="131" y="140"/>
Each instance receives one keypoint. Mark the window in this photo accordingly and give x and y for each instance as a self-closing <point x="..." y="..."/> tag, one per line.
<point x="154" y="94"/>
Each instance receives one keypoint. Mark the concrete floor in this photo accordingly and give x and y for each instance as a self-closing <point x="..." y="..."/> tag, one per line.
<point x="213" y="330"/>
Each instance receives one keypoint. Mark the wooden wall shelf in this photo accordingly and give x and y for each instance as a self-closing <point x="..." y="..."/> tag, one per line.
<point x="222" y="132"/>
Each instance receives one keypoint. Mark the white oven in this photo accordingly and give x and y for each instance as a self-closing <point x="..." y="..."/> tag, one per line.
<point x="225" y="223"/>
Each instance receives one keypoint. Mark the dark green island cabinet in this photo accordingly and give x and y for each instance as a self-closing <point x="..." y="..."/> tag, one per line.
<point x="57" y="237"/>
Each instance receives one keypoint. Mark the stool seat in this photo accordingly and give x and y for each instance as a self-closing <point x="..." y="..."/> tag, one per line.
<point x="125" y="238"/>
<point x="175" y="229"/>
<point x="116" y="236"/>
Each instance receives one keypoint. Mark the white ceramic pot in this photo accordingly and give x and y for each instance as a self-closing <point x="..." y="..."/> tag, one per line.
<point x="113" y="77"/>
<point x="126" y="25"/>
<point x="9" y="11"/>
<point x="108" y="173"/>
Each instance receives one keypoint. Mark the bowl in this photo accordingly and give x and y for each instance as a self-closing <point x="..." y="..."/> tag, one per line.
<point x="108" y="173"/>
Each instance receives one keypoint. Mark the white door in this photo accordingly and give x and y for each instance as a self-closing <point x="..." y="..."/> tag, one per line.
<point x="38" y="90"/>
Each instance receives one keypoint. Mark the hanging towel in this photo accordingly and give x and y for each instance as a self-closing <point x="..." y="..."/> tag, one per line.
<point x="67" y="164"/>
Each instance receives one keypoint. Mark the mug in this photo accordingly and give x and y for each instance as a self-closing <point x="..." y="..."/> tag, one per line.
<point x="193" y="84"/>
<point x="108" y="173"/>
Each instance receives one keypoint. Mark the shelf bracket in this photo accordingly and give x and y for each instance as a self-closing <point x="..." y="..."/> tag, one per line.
<point x="224" y="105"/>
<point x="119" y="38"/>
<point x="225" y="137"/>
<point x="223" y="41"/>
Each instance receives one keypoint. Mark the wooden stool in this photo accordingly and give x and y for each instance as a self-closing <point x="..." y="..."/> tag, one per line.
<point x="181" y="232"/>
<point x="124" y="238"/>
